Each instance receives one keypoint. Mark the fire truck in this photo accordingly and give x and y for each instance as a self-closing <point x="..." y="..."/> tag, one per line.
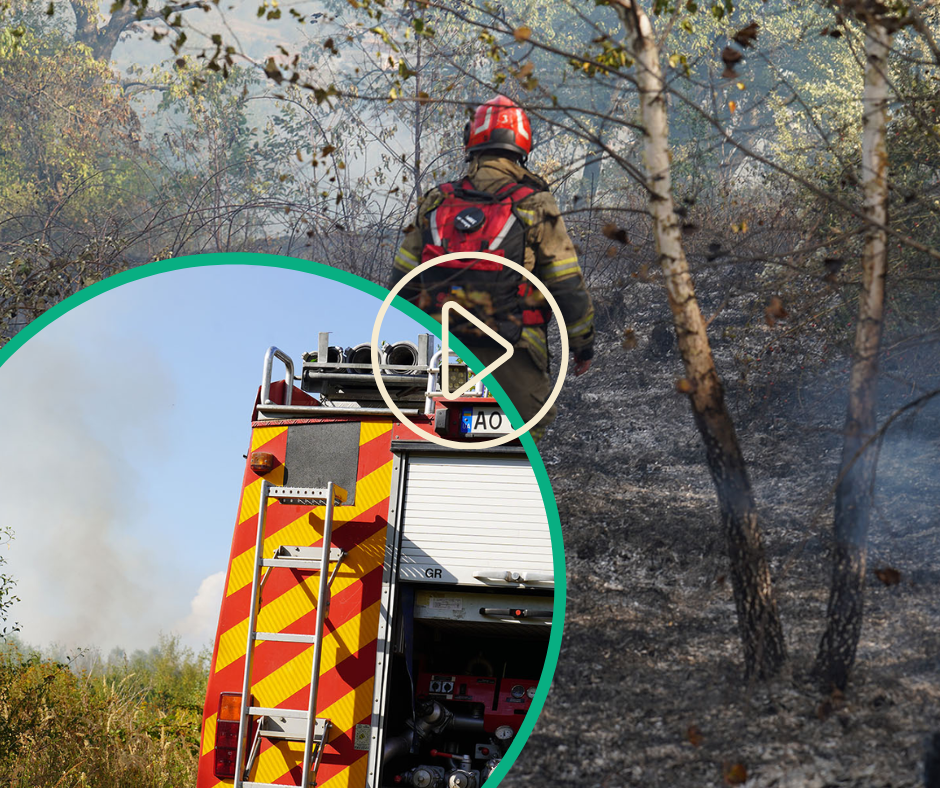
<point x="388" y="603"/>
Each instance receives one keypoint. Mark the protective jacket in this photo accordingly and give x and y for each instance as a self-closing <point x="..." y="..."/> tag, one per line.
<point x="549" y="254"/>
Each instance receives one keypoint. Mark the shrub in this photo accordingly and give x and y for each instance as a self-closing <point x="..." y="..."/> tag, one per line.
<point x="126" y="722"/>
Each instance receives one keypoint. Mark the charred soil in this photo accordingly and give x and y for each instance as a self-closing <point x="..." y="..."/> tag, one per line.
<point x="649" y="689"/>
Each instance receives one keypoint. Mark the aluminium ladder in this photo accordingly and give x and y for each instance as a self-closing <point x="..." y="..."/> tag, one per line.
<point x="300" y="725"/>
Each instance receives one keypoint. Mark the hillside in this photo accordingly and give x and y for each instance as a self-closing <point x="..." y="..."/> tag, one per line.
<point x="649" y="689"/>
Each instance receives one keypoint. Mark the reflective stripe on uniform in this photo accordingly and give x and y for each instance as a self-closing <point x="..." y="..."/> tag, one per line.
<point x="498" y="240"/>
<point x="534" y="339"/>
<point x="583" y="326"/>
<point x="560" y="269"/>
<point x="527" y="216"/>
<point x="405" y="260"/>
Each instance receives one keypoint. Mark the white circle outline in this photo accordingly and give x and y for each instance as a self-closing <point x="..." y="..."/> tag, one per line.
<point x="563" y="368"/>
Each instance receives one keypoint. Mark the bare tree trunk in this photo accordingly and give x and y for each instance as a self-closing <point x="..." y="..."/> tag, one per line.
<point x="857" y="473"/>
<point x="758" y="620"/>
<point x="103" y="40"/>
<point x="418" y="130"/>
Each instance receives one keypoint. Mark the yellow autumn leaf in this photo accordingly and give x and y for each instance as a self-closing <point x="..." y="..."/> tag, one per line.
<point x="735" y="773"/>
<point x="522" y="33"/>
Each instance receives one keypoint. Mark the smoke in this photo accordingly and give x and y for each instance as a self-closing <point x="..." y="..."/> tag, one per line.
<point x="199" y="626"/>
<point x="74" y="441"/>
<point x="907" y="492"/>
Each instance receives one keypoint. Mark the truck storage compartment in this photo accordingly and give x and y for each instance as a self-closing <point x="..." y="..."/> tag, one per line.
<point x="464" y="673"/>
<point x="474" y="520"/>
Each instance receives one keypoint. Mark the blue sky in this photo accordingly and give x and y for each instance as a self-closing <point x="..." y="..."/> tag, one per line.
<point x="124" y="425"/>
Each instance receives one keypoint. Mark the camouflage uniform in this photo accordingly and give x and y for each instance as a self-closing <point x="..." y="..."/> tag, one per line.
<point x="550" y="255"/>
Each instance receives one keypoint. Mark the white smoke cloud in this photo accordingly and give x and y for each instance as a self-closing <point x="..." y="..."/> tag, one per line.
<point x="74" y="439"/>
<point x="198" y="628"/>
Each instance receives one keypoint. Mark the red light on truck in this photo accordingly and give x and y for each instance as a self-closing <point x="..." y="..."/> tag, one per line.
<point x="225" y="763"/>
<point x="226" y="733"/>
<point x="262" y="462"/>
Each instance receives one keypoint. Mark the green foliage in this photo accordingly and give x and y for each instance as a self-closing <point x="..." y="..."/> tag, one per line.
<point x="7" y="598"/>
<point x="211" y="142"/>
<point x="68" y="134"/>
<point x="34" y="277"/>
<point x="72" y="173"/>
<point x="128" y="722"/>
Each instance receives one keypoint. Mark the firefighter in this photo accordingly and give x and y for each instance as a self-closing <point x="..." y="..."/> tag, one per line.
<point x="501" y="207"/>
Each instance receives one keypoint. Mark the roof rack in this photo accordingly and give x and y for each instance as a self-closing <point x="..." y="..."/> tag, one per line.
<point x="343" y="380"/>
<point x="349" y="378"/>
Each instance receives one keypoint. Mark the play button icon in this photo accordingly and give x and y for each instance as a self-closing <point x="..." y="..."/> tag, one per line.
<point x="489" y="333"/>
<point x="449" y="311"/>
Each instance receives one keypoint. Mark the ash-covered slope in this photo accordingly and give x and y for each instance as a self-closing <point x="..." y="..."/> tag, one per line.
<point x="649" y="689"/>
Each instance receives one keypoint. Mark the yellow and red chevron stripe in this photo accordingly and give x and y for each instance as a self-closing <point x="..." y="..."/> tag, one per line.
<point x="281" y="671"/>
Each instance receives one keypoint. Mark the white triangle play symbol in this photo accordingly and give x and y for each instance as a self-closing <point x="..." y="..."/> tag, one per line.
<point x="453" y="306"/>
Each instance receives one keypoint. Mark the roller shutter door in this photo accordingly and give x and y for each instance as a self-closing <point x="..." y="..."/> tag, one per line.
<point x="471" y="520"/>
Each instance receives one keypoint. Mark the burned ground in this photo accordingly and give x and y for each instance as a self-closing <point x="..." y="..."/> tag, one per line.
<point x="649" y="688"/>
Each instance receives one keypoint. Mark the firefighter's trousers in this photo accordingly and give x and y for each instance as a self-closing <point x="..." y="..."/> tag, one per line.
<point x="524" y="382"/>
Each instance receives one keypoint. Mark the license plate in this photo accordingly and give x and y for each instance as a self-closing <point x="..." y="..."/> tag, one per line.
<point x="484" y="421"/>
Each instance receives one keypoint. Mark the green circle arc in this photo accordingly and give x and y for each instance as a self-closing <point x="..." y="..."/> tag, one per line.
<point x="425" y="320"/>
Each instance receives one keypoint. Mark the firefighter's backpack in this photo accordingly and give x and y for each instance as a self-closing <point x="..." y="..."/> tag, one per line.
<point x="467" y="220"/>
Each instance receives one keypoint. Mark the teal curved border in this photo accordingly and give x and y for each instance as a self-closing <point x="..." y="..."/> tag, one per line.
<point x="370" y="288"/>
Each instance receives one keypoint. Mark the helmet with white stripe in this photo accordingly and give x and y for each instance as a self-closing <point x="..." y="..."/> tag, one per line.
<point x="499" y="124"/>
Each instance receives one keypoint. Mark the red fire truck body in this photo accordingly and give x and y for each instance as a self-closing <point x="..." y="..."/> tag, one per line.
<point x="388" y="603"/>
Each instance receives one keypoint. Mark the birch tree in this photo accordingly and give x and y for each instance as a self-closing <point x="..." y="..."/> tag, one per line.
<point x="855" y="486"/>
<point x="758" y="619"/>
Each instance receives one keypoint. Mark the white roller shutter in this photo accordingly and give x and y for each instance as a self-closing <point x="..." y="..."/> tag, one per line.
<point x="474" y="520"/>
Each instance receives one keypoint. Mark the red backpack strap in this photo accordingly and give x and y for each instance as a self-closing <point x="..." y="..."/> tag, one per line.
<point x="514" y="191"/>
<point x="521" y="193"/>
<point x="526" y="187"/>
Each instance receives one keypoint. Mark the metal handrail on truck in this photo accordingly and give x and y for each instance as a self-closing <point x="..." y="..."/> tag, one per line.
<point x="269" y="357"/>
<point x="339" y="382"/>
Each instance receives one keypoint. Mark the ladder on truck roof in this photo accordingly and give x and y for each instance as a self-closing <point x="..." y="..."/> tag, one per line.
<point x="298" y="725"/>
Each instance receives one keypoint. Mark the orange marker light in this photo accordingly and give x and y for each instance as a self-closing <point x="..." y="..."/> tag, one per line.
<point x="262" y="462"/>
<point x="230" y="706"/>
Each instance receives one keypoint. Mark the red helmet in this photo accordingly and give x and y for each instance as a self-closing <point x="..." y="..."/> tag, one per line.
<point x="499" y="124"/>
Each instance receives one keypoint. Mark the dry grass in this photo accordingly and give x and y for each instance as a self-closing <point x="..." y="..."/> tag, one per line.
<point x="128" y="722"/>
